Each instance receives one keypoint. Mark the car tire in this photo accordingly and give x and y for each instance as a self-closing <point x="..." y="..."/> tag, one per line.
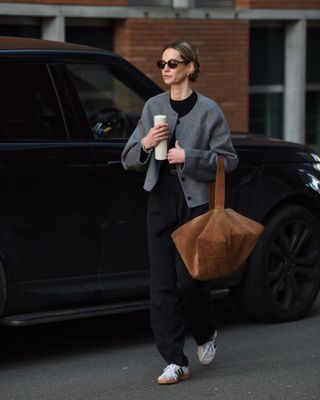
<point x="282" y="277"/>
<point x="3" y="289"/>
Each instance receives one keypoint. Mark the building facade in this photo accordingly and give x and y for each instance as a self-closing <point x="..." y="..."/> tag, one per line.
<point x="260" y="59"/>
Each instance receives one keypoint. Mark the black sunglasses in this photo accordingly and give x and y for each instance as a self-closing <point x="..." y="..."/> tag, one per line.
<point x="172" y="64"/>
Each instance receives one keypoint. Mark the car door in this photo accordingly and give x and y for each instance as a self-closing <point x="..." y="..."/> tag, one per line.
<point x="50" y="233"/>
<point x="108" y="94"/>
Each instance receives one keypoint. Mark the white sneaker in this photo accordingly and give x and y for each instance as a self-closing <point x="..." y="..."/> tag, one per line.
<point x="173" y="373"/>
<point x="207" y="351"/>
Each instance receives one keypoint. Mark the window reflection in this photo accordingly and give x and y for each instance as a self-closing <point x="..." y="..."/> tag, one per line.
<point x="112" y="108"/>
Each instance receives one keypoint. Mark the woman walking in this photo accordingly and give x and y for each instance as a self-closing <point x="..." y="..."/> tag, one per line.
<point x="197" y="133"/>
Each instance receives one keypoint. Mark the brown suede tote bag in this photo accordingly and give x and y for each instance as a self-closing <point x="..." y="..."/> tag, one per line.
<point x="215" y="244"/>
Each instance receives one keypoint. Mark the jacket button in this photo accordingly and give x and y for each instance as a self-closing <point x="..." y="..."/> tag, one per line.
<point x="189" y="198"/>
<point x="183" y="179"/>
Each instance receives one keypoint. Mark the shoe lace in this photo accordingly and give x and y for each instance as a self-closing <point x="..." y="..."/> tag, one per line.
<point x="208" y="347"/>
<point x="174" y="370"/>
<point x="170" y="368"/>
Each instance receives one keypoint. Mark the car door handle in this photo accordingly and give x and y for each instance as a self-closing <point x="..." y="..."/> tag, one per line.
<point x="114" y="163"/>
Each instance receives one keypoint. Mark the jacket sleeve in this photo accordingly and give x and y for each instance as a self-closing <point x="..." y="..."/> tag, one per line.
<point x="201" y="164"/>
<point x="133" y="157"/>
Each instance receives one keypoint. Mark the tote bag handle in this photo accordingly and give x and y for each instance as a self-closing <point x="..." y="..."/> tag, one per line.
<point x="217" y="187"/>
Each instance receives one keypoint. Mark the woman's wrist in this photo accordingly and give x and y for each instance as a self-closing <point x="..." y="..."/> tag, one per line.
<point x="145" y="147"/>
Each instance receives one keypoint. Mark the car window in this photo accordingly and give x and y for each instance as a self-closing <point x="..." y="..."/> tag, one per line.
<point x="112" y="108"/>
<point x="30" y="108"/>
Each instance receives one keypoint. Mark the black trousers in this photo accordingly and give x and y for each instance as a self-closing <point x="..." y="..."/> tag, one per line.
<point x="176" y="299"/>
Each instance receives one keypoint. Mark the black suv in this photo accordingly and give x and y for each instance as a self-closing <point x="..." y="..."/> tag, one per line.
<point x="72" y="224"/>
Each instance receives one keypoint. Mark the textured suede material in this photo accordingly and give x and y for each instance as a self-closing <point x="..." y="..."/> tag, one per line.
<point x="215" y="244"/>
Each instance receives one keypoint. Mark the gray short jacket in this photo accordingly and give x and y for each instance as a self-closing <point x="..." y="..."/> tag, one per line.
<point x="203" y="133"/>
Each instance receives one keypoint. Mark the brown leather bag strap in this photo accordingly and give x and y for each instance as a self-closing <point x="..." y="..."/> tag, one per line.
<point x="217" y="188"/>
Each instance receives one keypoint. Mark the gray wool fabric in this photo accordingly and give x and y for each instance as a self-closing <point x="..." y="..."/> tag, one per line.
<point x="203" y="133"/>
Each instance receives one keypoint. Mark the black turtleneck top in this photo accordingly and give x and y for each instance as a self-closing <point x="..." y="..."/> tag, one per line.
<point x="182" y="108"/>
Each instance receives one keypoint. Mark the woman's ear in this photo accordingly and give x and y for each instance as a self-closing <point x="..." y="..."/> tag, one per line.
<point x="191" y="68"/>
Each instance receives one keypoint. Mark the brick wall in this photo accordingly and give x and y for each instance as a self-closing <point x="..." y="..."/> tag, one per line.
<point x="242" y="3"/>
<point x="278" y="4"/>
<point x="223" y="49"/>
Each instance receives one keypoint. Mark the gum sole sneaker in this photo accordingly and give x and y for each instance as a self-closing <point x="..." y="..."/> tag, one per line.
<point x="207" y="351"/>
<point x="173" y="374"/>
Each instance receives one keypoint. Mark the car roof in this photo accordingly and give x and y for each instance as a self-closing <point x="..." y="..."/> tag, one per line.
<point x="22" y="45"/>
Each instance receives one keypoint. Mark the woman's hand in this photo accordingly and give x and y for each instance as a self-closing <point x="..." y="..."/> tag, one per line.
<point x="176" y="155"/>
<point x="155" y="135"/>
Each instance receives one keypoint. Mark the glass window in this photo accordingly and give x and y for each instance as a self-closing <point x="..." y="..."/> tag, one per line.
<point x="313" y="117"/>
<point x="266" y="111"/>
<point x="29" y="107"/>
<point x="313" y="86"/>
<point x="313" y="55"/>
<point x="91" y="33"/>
<point x="266" y="55"/>
<point x="112" y="108"/>
<point x="266" y="80"/>
<point x="150" y="2"/>
<point x="213" y="3"/>
<point x="20" y="27"/>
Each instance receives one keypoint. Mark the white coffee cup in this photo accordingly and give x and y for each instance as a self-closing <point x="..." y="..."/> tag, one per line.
<point x="161" y="149"/>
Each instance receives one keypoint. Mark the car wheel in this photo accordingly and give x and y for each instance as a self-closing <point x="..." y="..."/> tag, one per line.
<point x="282" y="277"/>
<point x="3" y="288"/>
